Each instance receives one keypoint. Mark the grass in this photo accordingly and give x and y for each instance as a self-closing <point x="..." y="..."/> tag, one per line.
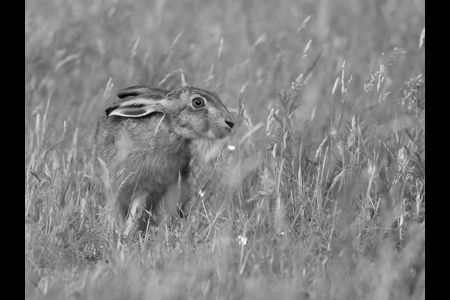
<point x="321" y="193"/>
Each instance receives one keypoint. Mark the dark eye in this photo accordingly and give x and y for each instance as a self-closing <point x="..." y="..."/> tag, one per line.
<point x="198" y="102"/>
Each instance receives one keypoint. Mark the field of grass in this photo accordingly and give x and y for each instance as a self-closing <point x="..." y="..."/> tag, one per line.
<point x="321" y="194"/>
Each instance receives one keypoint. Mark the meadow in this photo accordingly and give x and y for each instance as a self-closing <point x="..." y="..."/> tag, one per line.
<point x="320" y="193"/>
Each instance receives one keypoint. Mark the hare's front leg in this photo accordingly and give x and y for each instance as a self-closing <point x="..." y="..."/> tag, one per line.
<point x="135" y="210"/>
<point x="173" y="200"/>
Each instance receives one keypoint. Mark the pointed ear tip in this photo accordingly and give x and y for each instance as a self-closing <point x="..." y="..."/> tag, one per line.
<point x="114" y="113"/>
<point x="109" y="110"/>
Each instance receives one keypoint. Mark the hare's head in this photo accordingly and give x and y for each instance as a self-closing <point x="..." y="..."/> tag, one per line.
<point x="192" y="113"/>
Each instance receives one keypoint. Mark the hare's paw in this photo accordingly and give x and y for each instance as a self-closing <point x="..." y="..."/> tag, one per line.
<point x="135" y="212"/>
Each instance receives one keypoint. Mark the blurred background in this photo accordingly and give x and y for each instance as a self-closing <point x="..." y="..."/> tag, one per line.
<point x="74" y="48"/>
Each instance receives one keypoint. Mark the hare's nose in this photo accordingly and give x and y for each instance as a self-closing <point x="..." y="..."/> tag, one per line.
<point x="229" y="123"/>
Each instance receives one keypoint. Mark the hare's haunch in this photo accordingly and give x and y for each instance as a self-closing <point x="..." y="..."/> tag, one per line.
<point x="142" y="148"/>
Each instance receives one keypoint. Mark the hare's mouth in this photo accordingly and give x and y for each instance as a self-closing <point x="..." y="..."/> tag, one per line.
<point x="223" y="133"/>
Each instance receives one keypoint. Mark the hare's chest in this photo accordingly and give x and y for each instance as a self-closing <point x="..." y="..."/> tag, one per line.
<point x="165" y="168"/>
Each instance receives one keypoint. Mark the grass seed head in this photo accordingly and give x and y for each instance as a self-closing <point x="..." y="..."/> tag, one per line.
<point x="422" y="39"/>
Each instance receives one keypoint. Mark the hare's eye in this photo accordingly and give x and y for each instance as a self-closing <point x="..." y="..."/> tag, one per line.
<point x="198" y="102"/>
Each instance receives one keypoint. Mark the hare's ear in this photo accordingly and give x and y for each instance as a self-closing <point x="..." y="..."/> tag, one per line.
<point x="136" y="107"/>
<point x="140" y="90"/>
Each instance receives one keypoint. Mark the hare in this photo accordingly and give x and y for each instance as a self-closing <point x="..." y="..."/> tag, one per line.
<point x="142" y="149"/>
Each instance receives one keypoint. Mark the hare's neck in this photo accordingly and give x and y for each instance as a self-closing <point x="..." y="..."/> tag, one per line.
<point x="168" y="144"/>
<point x="168" y="156"/>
